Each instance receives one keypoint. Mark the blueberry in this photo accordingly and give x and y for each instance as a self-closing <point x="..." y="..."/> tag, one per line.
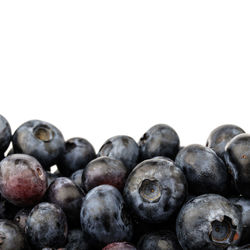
<point x="244" y="205"/>
<point x="237" y="157"/>
<point x="119" y="246"/>
<point x="204" y="170"/>
<point x="209" y="221"/>
<point x="159" y="140"/>
<point x="104" y="170"/>
<point x="77" y="154"/>
<point x="5" y="134"/>
<point x="7" y="209"/>
<point x="64" y="193"/>
<point x="220" y="136"/>
<point x="23" y="181"/>
<point x="51" y="177"/>
<point x="76" y="177"/>
<point x="76" y="240"/>
<point x="104" y="216"/>
<point x="123" y="148"/>
<point x="247" y="247"/>
<point x="21" y="218"/>
<point x="155" y="190"/>
<point x="46" y="226"/>
<point x="11" y="237"/>
<point x="160" y="240"/>
<point x="40" y="139"/>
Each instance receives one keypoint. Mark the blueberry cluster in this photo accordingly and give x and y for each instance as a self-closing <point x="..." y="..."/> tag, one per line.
<point x="148" y="195"/>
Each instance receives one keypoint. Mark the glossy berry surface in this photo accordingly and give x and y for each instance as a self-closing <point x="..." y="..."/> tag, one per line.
<point x="41" y="140"/>
<point x="5" y="134"/>
<point x="76" y="177"/>
<point x="159" y="241"/>
<point x="159" y="140"/>
<point x="64" y="193"/>
<point x="220" y="136"/>
<point x="104" y="216"/>
<point x="237" y="157"/>
<point x="119" y="246"/>
<point x="155" y="189"/>
<point x="23" y="181"/>
<point x="77" y="154"/>
<point x="204" y="170"/>
<point x="11" y="237"/>
<point x="104" y="170"/>
<point x="46" y="226"/>
<point x="123" y="148"/>
<point x="208" y="221"/>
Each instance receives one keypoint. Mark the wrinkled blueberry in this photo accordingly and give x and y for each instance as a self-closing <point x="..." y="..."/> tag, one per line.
<point x="76" y="240"/>
<point x="77" y="154"/>
<point x="64" y="193"/>
<point x="23" y="181"/>
<point x="155" y="190"/>
<point x="204" y="170"/>
<point x="40" y="139"/>
<point x="209" y="221"/>
<point x="5" y="135"/>
<point x="237" y="157"/>
<point x="119" y="246"/>
<point x="76" y="177"/>
<point x="46" y="226"/>
<point x="11" y="237"/>
<point x="104" y="170"/>
<point x="123" y="148"/>
<point x="159" y="140"/>
<point x="161" y="240"/>
<point x="220" y="136"/>
<point x="104" y="216"/>
<point x="21" y="218"/>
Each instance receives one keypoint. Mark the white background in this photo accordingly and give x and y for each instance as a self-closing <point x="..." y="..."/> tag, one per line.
<point x="96" y="69"/>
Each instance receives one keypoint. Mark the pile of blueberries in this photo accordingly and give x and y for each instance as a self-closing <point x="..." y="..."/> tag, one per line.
<point x="149" y="195"/>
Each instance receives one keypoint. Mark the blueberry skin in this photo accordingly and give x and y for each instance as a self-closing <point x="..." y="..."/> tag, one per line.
<point x="77" y="154"/>
<point x="41" y="140"/>
<point x="204" y="170"/>
<point x="247" y="247"/>
<point x="11" y="236"/>
<point x="46" y="226"/>
<point x="244" y="205"/>
<point x="220" y="136"/>
<point x="104" y="216"/>
<point x="21" y="218"/>
<point x="237" y="157"/>
<point x="5" y="134"/>
<point x="104" y="170"/>
<point x="160" y="240"/>
<point x="66" y="194"/>
<point x="76" y="177"/>
<point x="209" y="221"/>
<point x="76" y="240"/>
<point x="155" y="189"/>
<point x="123" y="148"/>
<point x="159" y="140"/>
<point x="119" y="246"/>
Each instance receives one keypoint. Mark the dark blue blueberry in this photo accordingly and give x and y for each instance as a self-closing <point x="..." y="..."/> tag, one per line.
<point x="41" y="140"/>
<point x="21" y="218"/>
<point x="160" y="140"/>
<point x="77" y="154"/>
<point x="5" y="135"/>
<point x="76" y="177"/>
<point x="51" y="177"/>
<point x="237" y="157"/>
<point x="244" y="205"/>
<point x="66" y="194"/>
<point x="119" y="246"/>
<point x="204" y="170"/>
<point x="123" y="148"/>
<point x="104" y="170"/>
<point x="11" y="236"/>
<point x="46" y="226"/>
<point x="209" y="221"/>
<point x="155" y="190"/>
<point x="104" y="216"/>
<point x="76" y="240"/>
<point x="7" y="209"/>
<point x="220" y="136"/>
<point x="160" y="240"/>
